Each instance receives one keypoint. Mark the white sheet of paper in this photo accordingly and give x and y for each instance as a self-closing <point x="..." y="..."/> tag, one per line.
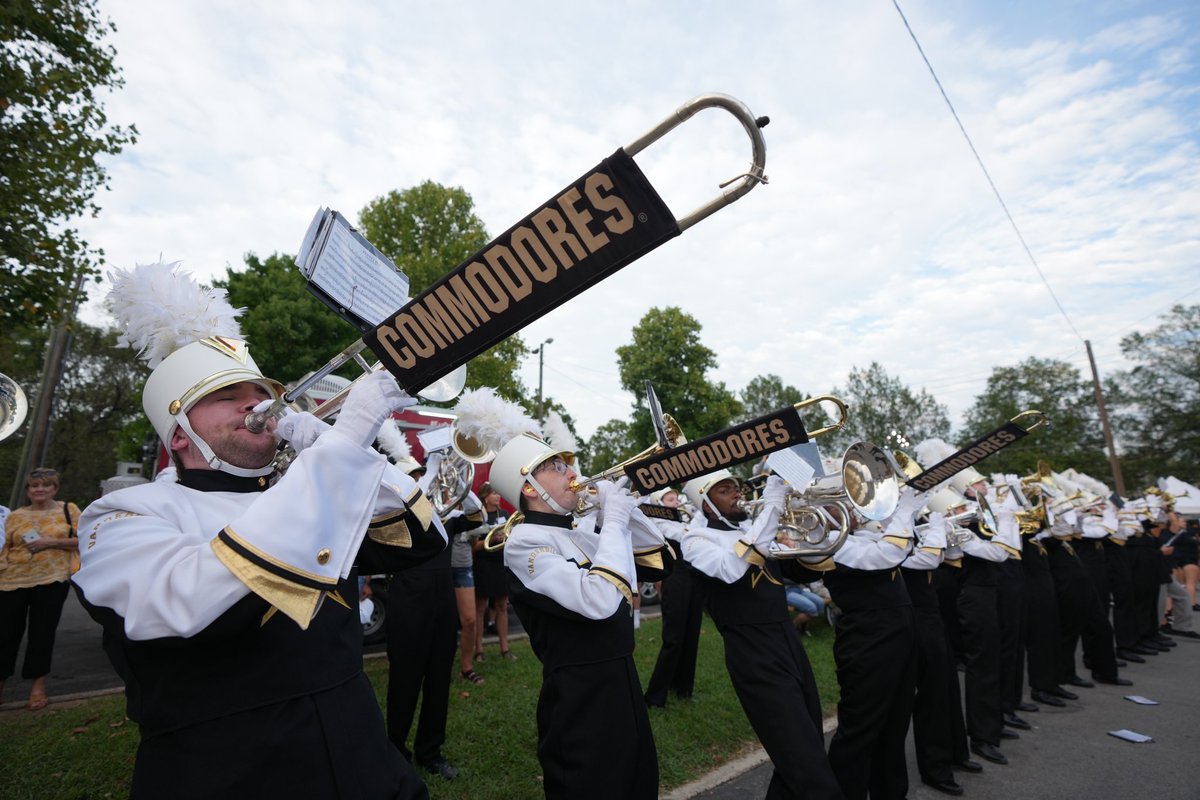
<point x="1141" y="701"/>
<point x="434" y="439"/>
<point x="792" y="466"/>
<point x="1131" y="736"/>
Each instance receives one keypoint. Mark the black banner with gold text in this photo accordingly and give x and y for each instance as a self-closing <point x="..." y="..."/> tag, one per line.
<point x="609" y="217"/>
<point x="730" y="447"/>
<point x="969" y="456"/>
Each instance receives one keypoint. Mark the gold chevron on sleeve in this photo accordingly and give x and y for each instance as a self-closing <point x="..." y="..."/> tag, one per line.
<point x="391" y="530"/>
<point x="653" y="560"/>
<point x="612" y="578"/>
<point x="298" y="603"/>
<point x="899" y="541"/>
<point x="419" y="506"/>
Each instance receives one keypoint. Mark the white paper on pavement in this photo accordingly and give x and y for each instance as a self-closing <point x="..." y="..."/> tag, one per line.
<point x="1131" y="736"/>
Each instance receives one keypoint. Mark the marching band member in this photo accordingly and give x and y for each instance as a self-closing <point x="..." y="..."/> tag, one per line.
<point x="875" y="653"/>
<point x="572" y="588"/>
<point x="763" y="651"/>
<point x="229" y="605"/>
<point x="1120" y="583"/>
<point x="682" y="604"/>
<point x="933" y="706"/>
<point x="978" y="615"/>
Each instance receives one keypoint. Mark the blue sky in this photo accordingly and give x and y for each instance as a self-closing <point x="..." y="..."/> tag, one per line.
<point x="877" y="239"/>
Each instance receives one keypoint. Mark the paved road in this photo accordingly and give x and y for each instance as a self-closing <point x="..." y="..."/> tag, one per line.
<point x="1069" y="753"/>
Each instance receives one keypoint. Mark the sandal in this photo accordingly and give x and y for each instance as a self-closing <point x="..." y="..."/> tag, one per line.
<point x="472" y="676"/>
<point x="479" y="656"/>
<point x="37" y="702"/>
<point x="509" y="654"/>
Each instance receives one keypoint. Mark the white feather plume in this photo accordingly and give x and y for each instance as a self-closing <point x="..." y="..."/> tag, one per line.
<point x="557" y="434"/>
<point x="933" y="451"/>
<point x="160" y="310"/>
<point x="1091" y="484"/>
<point x="492" y="420"/>
<point x="392" y="442"/>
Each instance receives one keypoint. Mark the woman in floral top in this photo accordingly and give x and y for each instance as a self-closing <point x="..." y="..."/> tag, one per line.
<point x="35" y="573"/>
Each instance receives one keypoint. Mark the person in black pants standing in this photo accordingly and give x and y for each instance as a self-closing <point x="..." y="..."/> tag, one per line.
<point x="682" y="613"/>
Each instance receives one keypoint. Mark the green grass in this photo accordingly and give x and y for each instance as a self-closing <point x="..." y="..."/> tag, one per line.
<point x="86" y="750"/>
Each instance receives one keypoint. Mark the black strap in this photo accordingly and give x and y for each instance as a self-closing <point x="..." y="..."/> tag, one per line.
<point x="70" y="525"/>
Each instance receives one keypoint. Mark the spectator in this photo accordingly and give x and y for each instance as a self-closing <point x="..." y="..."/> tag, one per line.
<point x="491" y="581"/>
<point x="39" y="542"/>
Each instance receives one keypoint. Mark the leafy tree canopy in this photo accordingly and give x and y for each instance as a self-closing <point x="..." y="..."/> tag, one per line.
<point x="878" y="405"/>
<point x="53" y="132"/>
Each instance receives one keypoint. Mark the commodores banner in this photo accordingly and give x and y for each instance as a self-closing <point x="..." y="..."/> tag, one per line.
<point x="606" y="219"/>
<point x="969" y="456"/>
<point x="730" y="447"/>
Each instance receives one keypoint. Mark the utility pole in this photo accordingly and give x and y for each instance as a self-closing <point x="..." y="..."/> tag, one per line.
<point x="1118" y="479"/>
<point x="540" y="411"/>
<point x="37" y="437"/>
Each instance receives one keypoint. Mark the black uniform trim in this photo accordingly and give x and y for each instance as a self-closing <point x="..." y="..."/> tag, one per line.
<point x="229" y="539"/>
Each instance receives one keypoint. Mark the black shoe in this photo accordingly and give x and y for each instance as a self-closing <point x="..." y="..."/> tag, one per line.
<point x="1142" y="650"/>
<point x="1005" y="733"/>
<point x="441" y="767"/>
<point x="1184" y="634"/>
<point x="1075" y="680"/>
<point x="1028" y="708"/>
<point x="948" y="786"/>
<point x="1164" y="641"/>
<point x="1112" y="681"/>
<point x="967" y="765"/>
<point x="1013" y="721"/>
<point x="1130" y="656"/>
<point x="1196" y="607"/>
<point x="988" y="752"/>
<point x="1062" y="693"/>
<point x="652" y="704"/>
<point x="1046" y="699"/>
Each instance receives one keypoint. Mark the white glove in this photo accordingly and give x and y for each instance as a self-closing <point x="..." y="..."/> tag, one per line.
<point x="604" y="491"/>
<point x="372" y="399"/>
<point x="618" y="508"/>
<point x="901" y="521"/>
<point x="433" y="462"/>
<point x="1062" y="526"/>
<point x="774" y="492"/>
<point x="934" y="536"/>
<point x="471" y="504"/>
<point x="299" y="430"/>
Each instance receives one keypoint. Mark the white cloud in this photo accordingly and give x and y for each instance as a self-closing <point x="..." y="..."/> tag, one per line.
<point x="878" y="239"/>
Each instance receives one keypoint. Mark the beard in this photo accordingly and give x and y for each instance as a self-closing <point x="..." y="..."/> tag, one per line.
<point x="737" y="514"/>
<point x="248" y="451"/>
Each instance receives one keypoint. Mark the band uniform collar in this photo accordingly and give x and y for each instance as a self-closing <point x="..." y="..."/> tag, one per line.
<point x="211" y="480"/>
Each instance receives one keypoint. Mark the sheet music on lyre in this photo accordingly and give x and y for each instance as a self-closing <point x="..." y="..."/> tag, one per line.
<point x="348" y="273"/>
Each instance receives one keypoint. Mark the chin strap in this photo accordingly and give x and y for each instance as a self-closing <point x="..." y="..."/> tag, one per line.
<point x="735" y="526"/>
<point x="546" y="498"/>
<point x="211" y="458"/>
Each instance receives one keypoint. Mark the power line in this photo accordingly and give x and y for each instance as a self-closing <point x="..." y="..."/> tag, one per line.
<point x="986" y="174"/>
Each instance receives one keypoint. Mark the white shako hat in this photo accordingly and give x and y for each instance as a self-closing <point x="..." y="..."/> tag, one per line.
<point x="516" y="438"/>
<point x="697" y="488"/>
<point x="189" y="336"/>
<point x="932" y="452"/>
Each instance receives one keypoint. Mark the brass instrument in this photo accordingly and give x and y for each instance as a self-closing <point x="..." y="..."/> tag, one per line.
<point x="13" y="406"/>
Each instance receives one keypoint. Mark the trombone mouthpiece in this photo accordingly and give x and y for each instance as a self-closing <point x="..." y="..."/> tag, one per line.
<point x="256" y="422"/>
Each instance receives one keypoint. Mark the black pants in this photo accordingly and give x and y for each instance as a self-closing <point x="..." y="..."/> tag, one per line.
<point x="981" y="641"/>
<point x="682" y="613"/>
<point x="42" y="607"/>
<point x="1010" y="598"/>
<point x="1080" y="615"/>
<point x="1144" y="563"/>
<point x="1120" y="588"/>
<point x="422" y="621"/>
<point x="774" y="682"/>
<point x="1041" y="617"/>
<point x="875" y="653"/>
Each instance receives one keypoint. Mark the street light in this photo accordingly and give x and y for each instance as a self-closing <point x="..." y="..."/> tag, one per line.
<point x="541" y="347"/>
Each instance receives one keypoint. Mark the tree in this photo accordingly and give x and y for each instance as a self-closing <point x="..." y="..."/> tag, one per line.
<point x="879" y="404"/>
<point x="666" y="350"/>
<point x="1072" y="438"/>
<point x="1156" y="405"/>
<point x="291" y="332"/>
<point x="53" y="133"/>
<point x="427" y="230"/>
<point x="767" y="393"/>
<point x="611" y="444"/>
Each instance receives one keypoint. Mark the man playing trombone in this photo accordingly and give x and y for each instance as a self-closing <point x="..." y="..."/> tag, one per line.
<point x="230" y="604"/>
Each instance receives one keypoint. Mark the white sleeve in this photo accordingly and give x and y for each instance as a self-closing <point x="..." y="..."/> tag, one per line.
<point x="1093" y="527"/>
<point x="714" y="552"/>
<point x="986" y="551"/>
<point x="924" y="558"/>
<point x="861" y="551"/>
<point x="592" y="591"/>
<point x="290" y="545"/>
